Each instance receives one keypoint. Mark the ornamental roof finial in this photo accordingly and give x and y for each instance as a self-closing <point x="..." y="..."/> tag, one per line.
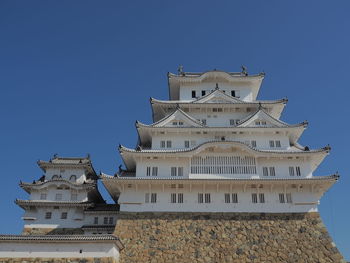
<point x="217" y="86"/>
<point x="55" y="155"/>
<point x="180" y="70"/>
<point x="244" y="70"/>
<point x="260" y="106"/>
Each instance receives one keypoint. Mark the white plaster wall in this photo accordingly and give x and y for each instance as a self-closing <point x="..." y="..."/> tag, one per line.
<point x="243" y="91"/>
<point x="134" y="201"/>
<point x="58" y="250"/>
<point x="281" y="168"/>
<point x="52" y="190"/>
<point x="66" y="173"/>
<point x="75" y="218"/>
<point x="178" y="140"/>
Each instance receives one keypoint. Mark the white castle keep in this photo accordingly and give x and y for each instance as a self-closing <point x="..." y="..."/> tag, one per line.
<point x="213" y="147"/>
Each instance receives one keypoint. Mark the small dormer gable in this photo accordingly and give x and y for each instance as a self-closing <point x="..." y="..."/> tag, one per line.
<point x="261" y="119"/>
<point x="178" y="119"/>
<point x="218" y="96"/>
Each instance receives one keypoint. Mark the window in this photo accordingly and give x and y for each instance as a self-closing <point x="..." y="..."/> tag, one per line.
<point x="234" y="198"/>
<point x="200" y="198"/>
<point x="227" y="198"/>
<point x="148" y="171"/>
<point x="291" y="170"/>
<point x="265" y="171"/>
<point x="256" y="122"/>
<point x="174" y="122"/>
<point x="272" y="144"/>
<point x="110" y="221"/>
<point x="173" y="198"/>
<point x="204" y="121"/>
<point x="217" y="109"/>
<point x="278" y="144"/>
<point x="168" y="144"/>
<point x="74" y="197"/>
<point x="254" y="198"/>
<point x="262" y="198"/>
<point x="58" y="197"/>
<point x="181" y="123"/>
<point x="203" y="92"/>
<point x="263" y="122"/>
<point x="289" y="198"/>
<point x="48" y="215"/>
<point x="162" y="144"/>
<point x="233" y="93"/>
<point x="207" y="198"/>
<point x="154" y="171"/>
<point x="43" y="196"/>
<point x="253" y="143"/>
<point x="298" y="171"/>
<point x="193" y="143"/>
<point x="73" y="178"/>
<point x="232" y="122"/>
<point x="173" y="171"/>
<point x="180" y="198"/>
<point x="281" y="198"/>
<point x="105" y="220"/>
<point x="187" y="144"/>
<point x="193" y="93"/>
<point x="153" y="198"/>
<point x="64" y="215"/>
<point x="95" y="220"/>
<point x="180" y="171"/>
<point x="272" y="171"/>
<point x="54" y="177"/>
<point x="147" y="198"/>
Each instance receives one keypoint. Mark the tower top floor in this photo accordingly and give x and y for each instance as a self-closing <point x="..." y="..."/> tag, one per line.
<point x="188" y="86"/>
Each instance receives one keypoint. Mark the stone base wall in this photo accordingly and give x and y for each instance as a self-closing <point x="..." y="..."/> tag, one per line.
<point x="52" y="231"/>
<point x="225" y="237"/>
<point x="58" y="260"/>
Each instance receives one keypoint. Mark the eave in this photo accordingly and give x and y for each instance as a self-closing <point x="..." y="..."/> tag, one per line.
<point x="26" y="203"/>
<point x="128" y="155"/>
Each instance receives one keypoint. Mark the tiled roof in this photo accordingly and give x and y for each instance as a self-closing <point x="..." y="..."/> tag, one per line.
<point x="24" y="203"/>
<point x="98" y="226"/>
<point x="103" y="207"/>
<point x="125" y="149"/>
<point x="314" y="178"/>
<point x="61" y="238"/>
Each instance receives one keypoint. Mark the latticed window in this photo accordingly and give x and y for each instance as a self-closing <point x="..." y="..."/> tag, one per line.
<point x="253" y="143"/>
<point x="153" y="198"/>
<point x="105" y="220"/>
<point x="272" y="144"/>
<point x="289" y="198"/>
<point x="262" y="198"/>
<point x="111" y="221"/>
<point x="207" y="198"/>
<point x="234" y="198"/>
<point x="200" y="198"/>
<point x="278" y="144"/>
<point x="162" y="144"/>
<point x="168" y="144"/>
<point x="291" y="171"/>
<point x="227" y="198"/>
<point x="148" y="171"/>
<point x="173" y="171"/>
<point x="173" y="198"/>
<point x="48" y="215"/>
<point x="95" y="220"/>
<point x="223" y="165"/>
<point x="272" y="171"/>
<point x="281" y="198"/>
<point x="187" y="144"/>
<point x="64" y="215"/>
<point x="265" y="171"/>
<point x="154" y="171"/>
<point x="180" y="198"/>
<point x="43" y="196"/>
<point x="180" y="171"/>
<point x="254" y="198"/>
<point x="298" y="171"/>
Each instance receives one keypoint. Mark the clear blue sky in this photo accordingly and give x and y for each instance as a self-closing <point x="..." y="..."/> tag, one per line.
<point x="75" y="75"/>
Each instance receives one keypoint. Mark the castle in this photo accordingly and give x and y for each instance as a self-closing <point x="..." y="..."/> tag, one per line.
<point x="217" y="177"/>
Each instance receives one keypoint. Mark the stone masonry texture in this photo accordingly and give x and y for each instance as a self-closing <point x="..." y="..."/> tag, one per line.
<point x="225" y="237"/>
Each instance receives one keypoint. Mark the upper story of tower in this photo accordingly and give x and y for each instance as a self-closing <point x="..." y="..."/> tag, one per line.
<point x="188" y="86"/>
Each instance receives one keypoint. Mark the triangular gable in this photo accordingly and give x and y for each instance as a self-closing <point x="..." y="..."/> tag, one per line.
<point x="261" y="119"/>
<point x="178" y="119"/>
<point x="217" y="96"/>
